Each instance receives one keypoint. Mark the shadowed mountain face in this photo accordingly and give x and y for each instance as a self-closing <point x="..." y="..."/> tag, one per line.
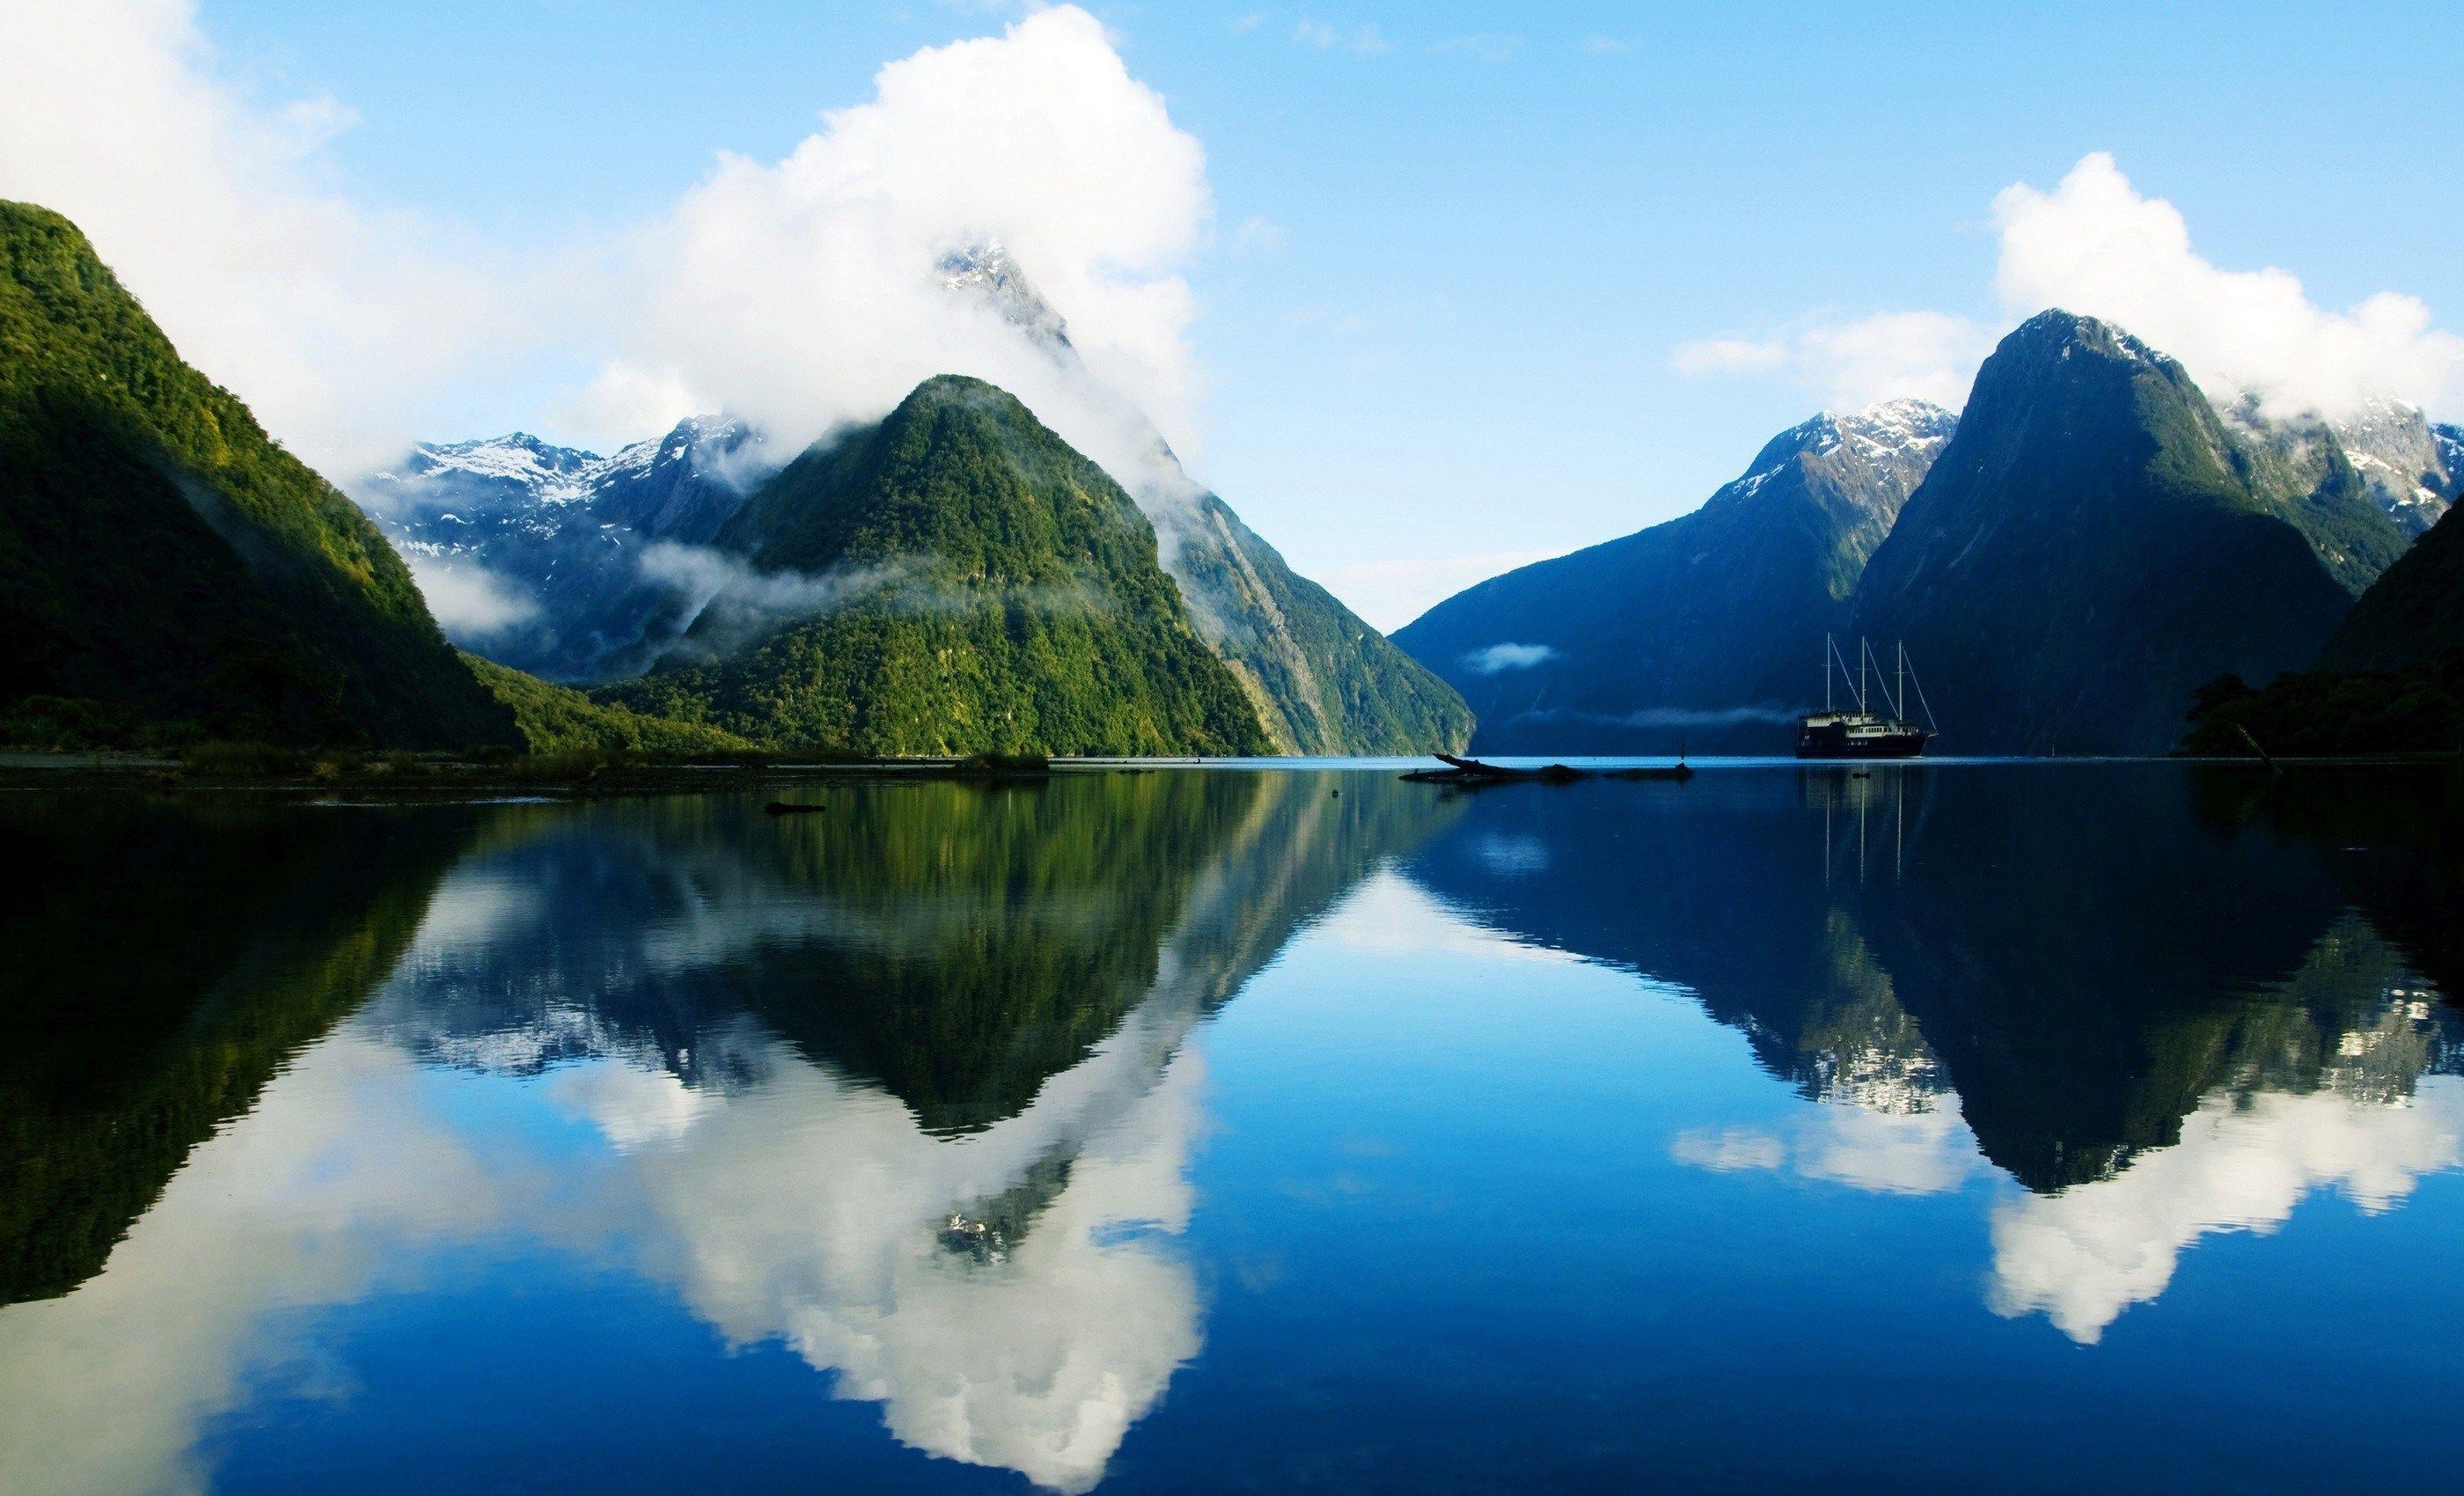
<point x="169" y="960"/>
<point x="2412" y="614"/>
<point x="2077" y="964"/>
<point x="164" y="561"/>
<point x="952" y="579"/>
<point x="2095" y="543"/>
<point x="1704" y="631"/>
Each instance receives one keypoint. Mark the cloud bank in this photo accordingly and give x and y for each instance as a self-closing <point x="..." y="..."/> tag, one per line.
<point x="2095" y="244"/>
<point x="800" y="293"/>
<point x="337" y="323"/>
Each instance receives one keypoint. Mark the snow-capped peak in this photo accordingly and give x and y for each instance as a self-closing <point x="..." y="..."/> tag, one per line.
<point x="986" y="271"/>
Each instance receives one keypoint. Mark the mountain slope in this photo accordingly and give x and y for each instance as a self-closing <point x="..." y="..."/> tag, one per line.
<point x="555" y="718"/>
<point x="552" y="548"/>
<point x="954" y="579"/>
<point x="2412" y="614"/>
<point x="1704" y="631"/>
<point x="1324" y="680"/>
<point x="2095" y="542"/>
<point x="164" y="564"/>
<point x="2414" y="470"/>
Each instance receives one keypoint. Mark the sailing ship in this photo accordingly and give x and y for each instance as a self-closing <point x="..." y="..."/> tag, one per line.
<point x="1863" y="733"/>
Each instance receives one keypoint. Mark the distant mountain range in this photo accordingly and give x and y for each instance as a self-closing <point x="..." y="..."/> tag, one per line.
<point x="2089" y="548"/>
<point x="561" y="533"/>
<point x="952" y="579"/>
<point x="168" y="570"/>
<point x="1705" y="632"/>
<point x="2090" y="541"/>
<point x="586" y="556"/>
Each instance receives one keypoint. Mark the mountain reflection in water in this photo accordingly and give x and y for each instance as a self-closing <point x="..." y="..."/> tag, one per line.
<point x="913" y="1090"/>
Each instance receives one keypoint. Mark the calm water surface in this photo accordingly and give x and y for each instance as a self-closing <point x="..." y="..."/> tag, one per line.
<point x="2017" y="1126"/>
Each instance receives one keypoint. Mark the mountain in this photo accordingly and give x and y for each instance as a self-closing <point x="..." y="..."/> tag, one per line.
<point x="954" y="578"/>
<point x="2412" y="614"/>
<point x="165" y="567"/>
<point x="2095" y="541"/>
<point x="2414" y="470"/>
<point x="554" y="718"/>
<point x="550" y="542"/>
<point x="1323" y="681"/>
<point x="1706" y="631"/>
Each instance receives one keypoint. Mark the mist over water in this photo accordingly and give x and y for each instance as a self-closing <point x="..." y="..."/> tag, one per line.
<point x="1063" y="1137"/>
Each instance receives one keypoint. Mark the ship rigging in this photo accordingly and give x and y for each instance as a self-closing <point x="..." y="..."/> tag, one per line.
<point x="1863" y="733"/>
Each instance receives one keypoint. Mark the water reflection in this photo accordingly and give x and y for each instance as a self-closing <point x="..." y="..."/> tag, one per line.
<point x="915" y="1089"/>
<point x="907" y="1088"/>
<point x="2146" y="996"/>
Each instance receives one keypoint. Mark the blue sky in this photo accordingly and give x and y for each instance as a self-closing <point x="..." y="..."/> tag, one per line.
<point x="1455" y="250"/>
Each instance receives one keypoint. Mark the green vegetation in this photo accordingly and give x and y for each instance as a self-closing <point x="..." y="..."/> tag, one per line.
<point x="173" y="956"/>
<point x="1325" y="682"/>
<point x="168" y="572"/>
<point x="984" y="589"/>
<point x="2333" y="714"/>
<point x="2412" y="614"/>
<point x="558" y="720"/>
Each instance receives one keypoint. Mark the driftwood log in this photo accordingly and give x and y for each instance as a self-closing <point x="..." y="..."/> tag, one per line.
<point x="1472" y="772"/>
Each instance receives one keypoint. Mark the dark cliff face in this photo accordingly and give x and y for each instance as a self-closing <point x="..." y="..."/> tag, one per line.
<point x="2095" y="542"/>
<point x="952" y="579"/>
<point x="1706" y="631"/>
<point x="2412" y="615"/>
<point x="164" y="566"/>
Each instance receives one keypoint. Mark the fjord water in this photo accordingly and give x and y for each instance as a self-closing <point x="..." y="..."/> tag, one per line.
<point x="1948" y="1125"/>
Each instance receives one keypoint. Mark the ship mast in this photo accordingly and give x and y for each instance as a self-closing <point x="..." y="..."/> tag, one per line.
<point x="1827" y="647"/>
<point x="1863" y="651"/>
<point x="1898" y="707"/>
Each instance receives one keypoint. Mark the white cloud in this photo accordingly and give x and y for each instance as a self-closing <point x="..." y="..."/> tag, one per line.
<point x="802" y="293"/>
<point x="468" y="601"/>
<point x="337" y="324"/>
<point x="1858" y="362"/>
<point x="2083" y="1256"/>
<point x="1599" y="46"/>
<point x="1920" y="1149"/>
<point x="1506" y="658"/>
<point x="2095" y="244"/>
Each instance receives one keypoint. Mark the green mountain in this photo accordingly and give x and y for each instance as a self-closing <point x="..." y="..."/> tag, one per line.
<point x="2412" y="614"/>
<point x="164" y="564"/>
<point x="1325" y="682"/>
<point x="952" y="579"/>
<point x="554" y="718"/>
<point x="2095" y="541"/>
<point x="1704" y="631"/>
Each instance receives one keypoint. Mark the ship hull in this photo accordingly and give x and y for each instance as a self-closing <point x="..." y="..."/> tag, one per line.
<point x="1820" y="742"/>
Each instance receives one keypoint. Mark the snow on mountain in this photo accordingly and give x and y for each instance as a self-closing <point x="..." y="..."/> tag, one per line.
<point x="555" y="535"/>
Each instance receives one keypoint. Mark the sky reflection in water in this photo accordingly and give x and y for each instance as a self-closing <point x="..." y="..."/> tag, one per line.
<point x="1891" y="1127"/>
